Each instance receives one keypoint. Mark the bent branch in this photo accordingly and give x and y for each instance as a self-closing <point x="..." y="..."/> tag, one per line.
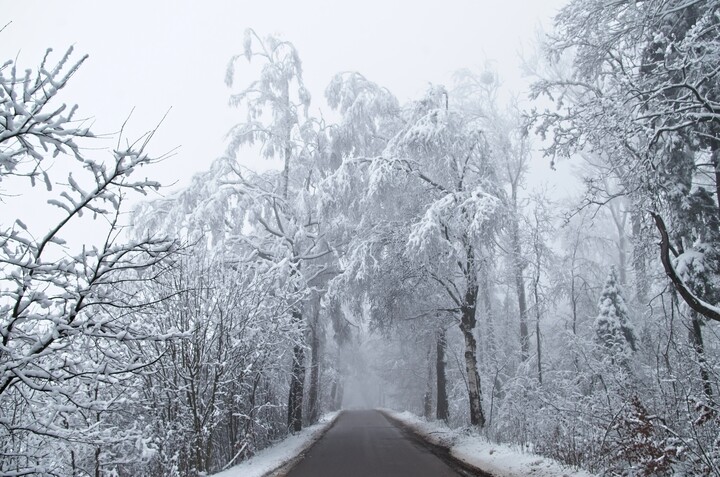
<point x="695" y="303"/>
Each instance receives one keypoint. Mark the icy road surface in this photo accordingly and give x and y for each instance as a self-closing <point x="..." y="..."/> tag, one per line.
<point x="366" y="444"/>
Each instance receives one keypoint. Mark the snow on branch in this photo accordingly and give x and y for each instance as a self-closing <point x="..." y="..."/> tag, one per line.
<point x="693" y="301"/>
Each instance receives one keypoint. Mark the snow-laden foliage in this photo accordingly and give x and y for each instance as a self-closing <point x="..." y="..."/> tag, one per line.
<point x="217" y="397"/>
<point x="642" y="93"/>
<point x="369" y="112"/>
<point x="72" y="311"/>
<point x="34" y="124"/>
<point x="613" y="328"/>
<point x="635" y="91"/>
<point x="470" y="212"/>
<point x="280" y="76"/>
<point x="398" y="257"/>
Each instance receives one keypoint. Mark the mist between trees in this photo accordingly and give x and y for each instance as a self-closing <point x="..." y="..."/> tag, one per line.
<point x="395" y="259"/>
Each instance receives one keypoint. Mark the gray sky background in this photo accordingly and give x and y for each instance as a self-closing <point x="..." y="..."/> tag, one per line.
<point x="155" y="55"/>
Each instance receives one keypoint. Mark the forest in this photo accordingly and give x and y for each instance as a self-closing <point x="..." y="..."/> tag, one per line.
<point x="393" y="256"/>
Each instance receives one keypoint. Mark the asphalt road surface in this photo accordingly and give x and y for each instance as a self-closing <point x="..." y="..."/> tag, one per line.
<point x="366" y="444"/>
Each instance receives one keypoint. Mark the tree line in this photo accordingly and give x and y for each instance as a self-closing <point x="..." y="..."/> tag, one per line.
<point x="400" y="241"/>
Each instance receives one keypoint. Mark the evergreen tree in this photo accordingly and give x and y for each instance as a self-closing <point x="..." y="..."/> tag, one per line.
<point x="612" y="326"/>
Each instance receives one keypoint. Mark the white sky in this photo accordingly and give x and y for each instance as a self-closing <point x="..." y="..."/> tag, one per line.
<point x="158" y="54"/>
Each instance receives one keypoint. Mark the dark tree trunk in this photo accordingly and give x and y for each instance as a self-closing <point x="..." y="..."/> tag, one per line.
<point x="314" y="389"/>
<point x="427" y="398"/>
<point x="297" y="383"/>
<point x="537" y="329"/>
<point x="442" y="410"/>
<point x="467" y="325"/>
<point x="696" y="338"/>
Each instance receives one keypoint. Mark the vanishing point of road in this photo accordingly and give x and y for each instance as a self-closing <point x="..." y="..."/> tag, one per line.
<point x="366" y="444"/>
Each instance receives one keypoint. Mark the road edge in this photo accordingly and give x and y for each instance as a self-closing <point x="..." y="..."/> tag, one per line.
<point x="286" y="467"/>
<point x="443" y="452"/>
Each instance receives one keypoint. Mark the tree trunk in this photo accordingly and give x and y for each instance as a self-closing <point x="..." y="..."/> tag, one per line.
<point x="520" y="289"/>
<point x="314" y="390"/>
<point x="696" y="338"/>
<point x="442" y="411"/>
<point x="427" y="398"/>
<point x="336" y="393"/>
<point x="333" y="395"/>
<point x="477" y="417"/>
<point x="622" y="257"/>
<point x="286" y="172"/>
<point x="467" y="325"/>
<point x="574" y="303"/>
<point x="537" y="330"/>
<point x="619" y="218"/>
<point x="297" y="383"/>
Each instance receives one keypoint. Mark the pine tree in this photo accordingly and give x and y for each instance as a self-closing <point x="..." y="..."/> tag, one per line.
<point x="613" y="328"/>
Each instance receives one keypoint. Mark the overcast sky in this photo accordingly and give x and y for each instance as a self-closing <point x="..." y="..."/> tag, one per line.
<point x="155" y="55"/>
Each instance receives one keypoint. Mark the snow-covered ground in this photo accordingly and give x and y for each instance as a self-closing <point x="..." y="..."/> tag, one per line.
<point x="500" y="460"/>
<point x="274" y="457"/>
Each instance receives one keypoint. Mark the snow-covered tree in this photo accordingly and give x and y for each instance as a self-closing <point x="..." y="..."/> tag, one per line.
<point x="613" y="328"/>
<point x="71" y="307"/>
<point x="643" y="95"/>
<point x="439" y="159"/>
<point x="289" y="232"/>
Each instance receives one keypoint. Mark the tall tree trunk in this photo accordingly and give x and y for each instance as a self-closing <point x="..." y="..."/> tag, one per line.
<point x="573" y="303"/>
<point x="286" y="172"/>
<point x="620" y="218"/>
<point x="427" y="398"/>
<point x="622" y="256"/>
<point x="696" y="338"/>
<point x="297" y="382"/>
<point x="314" y="389"/>
<point x="442" y="411"/>
<point x="467" y="325"/>
<point x="336" y="393"/>
<point x="537" y="328"/>
<point x="315" y="354"/>
<point x="518" y="267"/>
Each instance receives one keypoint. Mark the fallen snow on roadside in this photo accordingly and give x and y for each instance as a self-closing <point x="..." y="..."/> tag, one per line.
<point x="275" y="456"/>
<point x="500" y="460"/>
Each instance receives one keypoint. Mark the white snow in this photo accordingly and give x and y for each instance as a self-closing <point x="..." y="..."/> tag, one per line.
<point x="500" y="460"/>
<point x="275" y="456"/>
